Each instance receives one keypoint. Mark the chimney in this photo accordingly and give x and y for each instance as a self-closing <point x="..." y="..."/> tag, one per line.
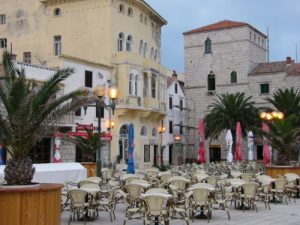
<point x="174" y="75"/>
<point x="288" y="60"/>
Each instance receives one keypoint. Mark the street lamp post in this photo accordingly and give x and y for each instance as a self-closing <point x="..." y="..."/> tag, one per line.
<point x="161" y="130"/>
<point x="100" y="92"/>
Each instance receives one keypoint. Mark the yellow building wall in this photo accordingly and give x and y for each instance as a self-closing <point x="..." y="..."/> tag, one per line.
<point x="89" y="31"/>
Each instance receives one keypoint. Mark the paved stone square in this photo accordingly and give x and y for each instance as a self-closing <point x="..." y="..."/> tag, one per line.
<point x="280" y="214"/>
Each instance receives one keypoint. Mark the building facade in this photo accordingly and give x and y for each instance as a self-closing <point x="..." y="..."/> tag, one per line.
<point x="123" y="36"/>
<point x="174" y="137"/>
<point x="229" y="57"/>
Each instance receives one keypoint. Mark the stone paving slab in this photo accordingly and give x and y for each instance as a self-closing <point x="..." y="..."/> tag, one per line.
<point x="279" y="214"/>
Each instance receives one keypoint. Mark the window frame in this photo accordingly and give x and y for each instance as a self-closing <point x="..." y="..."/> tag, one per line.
<point x="130" y="84"/>
<point x="121" y="8"/>
<point x="262" y="89"/>
<point x="57" y="45"/>
<point x="129" y="42"/>
<point x="170" y="126"/>
<point x="170" y="102"/>
<point x="153" y="86"/>
<point x="208" y="46"/>
<point x="233" y="77"/>
<point x="27" y="57"/>
<point x="121" y="42"/>
<point x="2" y="19"/>
<point x="88" y="78"/>
<point x="211" y="78"/>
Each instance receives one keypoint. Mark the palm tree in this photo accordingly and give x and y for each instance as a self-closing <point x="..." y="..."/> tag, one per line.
<point x="284" y="135"/>
<point x="27" y="110"/>
<point x="286" y="101"/>
<point x="89" y="144"/>
<point x="228" y="109"/>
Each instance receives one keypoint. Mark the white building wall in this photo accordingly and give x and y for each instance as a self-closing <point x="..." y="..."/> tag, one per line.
<point x="176" y="115"/>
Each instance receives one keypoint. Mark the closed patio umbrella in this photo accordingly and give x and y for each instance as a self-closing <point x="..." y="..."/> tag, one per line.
<point x="238" y="155"/>
<point x="201" y="132"/>
<point x="57" y="156"/>
<point x="130" y="167"/>
<point x="266" y="146"/>
<point x="228" y="139"/>
<point x="250" y="145"/>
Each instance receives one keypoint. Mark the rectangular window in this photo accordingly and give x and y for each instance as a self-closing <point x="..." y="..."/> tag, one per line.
<point x="57" y="45"/>
<point x="153" y="86"/>
<point x="2" y="19"/>
<point x="145" y="85"/>
<point x="146" y="153"/>
<point x="170" y="103"/>
<point x="27" y="57"/>
<point x="181" y="128"/>
<point x="3" y="42"/>
<point x="181" y="104"/>
<point x="264" y="88"/>
<point x="170" y="127"/>
<point x="78" y="112"/>
<point x="89" y="79"/>
<point x="176" y="89"/>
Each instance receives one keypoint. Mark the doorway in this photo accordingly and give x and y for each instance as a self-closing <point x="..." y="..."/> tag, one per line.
<point x="155" y="155"/>
<point x="214" y="153"/>
<point x="40" y="153"/>
<point x="123" y="144"/>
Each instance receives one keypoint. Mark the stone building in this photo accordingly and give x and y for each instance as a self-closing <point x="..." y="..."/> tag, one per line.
<point x="229" y="57"/>
<point x="123" y="36"/>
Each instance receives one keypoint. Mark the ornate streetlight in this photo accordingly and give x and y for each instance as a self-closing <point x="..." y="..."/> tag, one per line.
<point x="161" y="130"/>
<point x="100" y="91"/>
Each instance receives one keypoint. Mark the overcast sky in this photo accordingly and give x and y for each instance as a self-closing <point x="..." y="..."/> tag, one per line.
<point x="282" y="17"/>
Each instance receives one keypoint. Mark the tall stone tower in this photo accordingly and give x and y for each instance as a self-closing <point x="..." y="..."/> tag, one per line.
<point x="218" y="59"/>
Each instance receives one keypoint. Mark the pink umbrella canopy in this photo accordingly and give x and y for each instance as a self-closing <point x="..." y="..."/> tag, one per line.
<point x="238" y="155"/>
<point x="201" y="132"/>
<point x="57" y="157"/>
<point x="266" y="147"/>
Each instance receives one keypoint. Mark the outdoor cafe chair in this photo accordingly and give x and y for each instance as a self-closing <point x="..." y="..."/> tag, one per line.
<point x="264" y="194"/>
<point x="96" y="180"/>
<point x="279" y="191"/>
<point x="88" y="183"/>
<point x="156" y="208"/>
<point x="248" y="195"/>
<point x="78" y="204"/>
<point x="226" y="195"/>
<point x="212" y="180"/>
<point x="107" y="203"/>
<point x="132" y="195"/>
<point x="179" y="207"/>
<point x="247" y="177"/>
<point x="200" y="200"/>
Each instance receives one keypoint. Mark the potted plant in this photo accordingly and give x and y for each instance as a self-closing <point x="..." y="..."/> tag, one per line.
<point x="27" y="108"/>
<point x="284" y="134"/>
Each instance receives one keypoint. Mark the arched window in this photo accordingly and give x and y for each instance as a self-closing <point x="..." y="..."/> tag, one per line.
<point x="130" y="84"/>
<point x="129" y="43"/>
<point x="121" y="8"/>
<point x="145" y="50"/>
<point x="233" y="77"/>
<point x="121" y="42"/>
<point x="57" y="12"/>
<point x="152" y="53"/>
<point x="154" y="132"/>
<point x="144" y="131"/>
<point x="141" y="47"/>
<point x="130" y="12"/>
<point x="136" y="85"/>
<point x="211" y="82"/>
<point x="207" y="46"/>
